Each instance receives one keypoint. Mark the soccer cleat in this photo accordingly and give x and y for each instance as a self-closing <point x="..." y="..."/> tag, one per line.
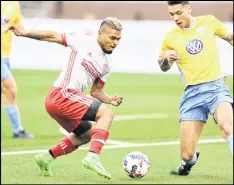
<point x="92" y="162"/>
<point x="43" y="161"/>
<point x="184" y="168"/>
<point x="22" y="135"/>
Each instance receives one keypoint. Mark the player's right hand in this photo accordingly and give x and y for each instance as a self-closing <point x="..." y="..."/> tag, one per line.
<point x="18" y="31"/>
<point x="171" y="56"/>
<point x="116" y="100"/>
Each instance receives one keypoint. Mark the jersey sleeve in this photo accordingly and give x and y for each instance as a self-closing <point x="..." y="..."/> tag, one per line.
<point x="220" y="30"/>
<point x="70" y="39"/>
<point x="74" y="40"/>
<point x="18" y="17"/>
<point x="103" y="78"/>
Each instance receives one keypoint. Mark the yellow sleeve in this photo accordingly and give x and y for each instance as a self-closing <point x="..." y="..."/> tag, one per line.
<point x="164" y="48"/>
<point x="19" y="17"/>
<point x="220" y="30"/>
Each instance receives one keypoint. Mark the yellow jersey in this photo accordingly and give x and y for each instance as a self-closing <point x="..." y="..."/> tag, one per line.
<point x="199" y="59"/>
<point x="10" y="14"/>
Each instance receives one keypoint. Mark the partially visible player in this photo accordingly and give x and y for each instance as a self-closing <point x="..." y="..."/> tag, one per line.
<point x="192" y="46"/>
<point x="89" y="64"/>
<point x="10" y="14"/>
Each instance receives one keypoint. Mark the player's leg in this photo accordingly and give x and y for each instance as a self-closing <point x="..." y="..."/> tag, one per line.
<point x="222" y="111"/>
<point x="79" y="136"/>
<point x="224" y="118"/>
<point x="78" y="106"/>
<point x="99" y="134"/>
<point x="193" y="115"/>
<point x="190" y="132"/>
<point x="9" y="97"/>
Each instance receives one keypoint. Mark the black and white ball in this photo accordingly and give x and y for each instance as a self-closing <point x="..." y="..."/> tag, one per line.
<point x="136" y="165"/>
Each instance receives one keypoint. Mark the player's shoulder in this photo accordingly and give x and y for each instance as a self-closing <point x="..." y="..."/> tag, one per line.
<point x="80" y="35"/>
<point x="206" y="18"/>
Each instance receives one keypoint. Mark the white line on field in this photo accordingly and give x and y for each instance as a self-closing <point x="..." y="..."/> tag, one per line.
<point x="114" y="142"/>
<point x="144" y="116"/>
<point x="119" y="146"/>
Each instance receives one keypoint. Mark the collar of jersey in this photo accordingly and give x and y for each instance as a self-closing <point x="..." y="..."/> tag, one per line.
<point x="191" y="27"/>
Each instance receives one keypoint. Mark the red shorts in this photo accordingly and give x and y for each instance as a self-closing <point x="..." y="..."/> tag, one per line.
<point x="68" y="106"/>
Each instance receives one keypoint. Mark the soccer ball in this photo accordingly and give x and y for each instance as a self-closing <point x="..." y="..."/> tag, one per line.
<point x="136" y="165"/>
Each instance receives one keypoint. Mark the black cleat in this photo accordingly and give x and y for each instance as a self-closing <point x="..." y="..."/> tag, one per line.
<point x="184" y="168"/>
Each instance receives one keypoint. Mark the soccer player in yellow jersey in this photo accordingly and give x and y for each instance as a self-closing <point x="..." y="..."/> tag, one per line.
<point x="191" y="45"/>
<point x="10" y="14"/>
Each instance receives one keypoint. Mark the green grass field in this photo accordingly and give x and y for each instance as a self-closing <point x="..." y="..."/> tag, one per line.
<point x="143" y="94"/>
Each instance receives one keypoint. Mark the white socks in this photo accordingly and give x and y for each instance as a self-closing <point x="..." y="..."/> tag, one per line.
<point x="230" y="143"/>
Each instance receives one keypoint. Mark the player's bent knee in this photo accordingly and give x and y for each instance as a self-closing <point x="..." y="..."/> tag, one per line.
<point x="105" y="112"/>
<point x="11" y="93"/>
<point x="108" y="114"/>
<point x="227" y="128"/>
<point x="9" y="88"/>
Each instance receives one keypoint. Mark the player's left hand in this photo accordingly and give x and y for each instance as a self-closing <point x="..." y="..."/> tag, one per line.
<point x="17" y="30"/>
<point x="116" y="100"/>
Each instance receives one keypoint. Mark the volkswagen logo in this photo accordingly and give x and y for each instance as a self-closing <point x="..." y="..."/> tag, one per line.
<point x="4" y="20"/>
<point x="194" y="46"/>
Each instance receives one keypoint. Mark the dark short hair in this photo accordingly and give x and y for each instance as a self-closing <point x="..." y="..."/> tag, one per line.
<point x="177" y="2"/>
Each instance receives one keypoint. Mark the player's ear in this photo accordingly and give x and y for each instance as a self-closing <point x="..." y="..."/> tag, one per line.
<point x="189" y="9"/>
<point x="100" y="32"/>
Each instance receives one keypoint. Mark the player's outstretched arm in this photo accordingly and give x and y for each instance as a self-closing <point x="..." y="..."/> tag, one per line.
<point x="98" y="92"/>
<point x="43" y="35"/>
<point x="229" y="38"/>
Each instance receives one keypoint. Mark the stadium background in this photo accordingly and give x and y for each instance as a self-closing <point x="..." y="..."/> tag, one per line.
<point x="148" y="119"/>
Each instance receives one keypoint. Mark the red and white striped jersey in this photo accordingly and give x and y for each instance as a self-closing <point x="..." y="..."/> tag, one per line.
<point x="86" y="63"/>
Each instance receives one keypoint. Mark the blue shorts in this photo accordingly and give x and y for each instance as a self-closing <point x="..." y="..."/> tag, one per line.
<point x="200" y="100"/>
<point x="5" y="68"/>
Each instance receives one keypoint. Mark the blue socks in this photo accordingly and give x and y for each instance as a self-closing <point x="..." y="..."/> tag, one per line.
<point x="14" y="117"/>
<point x="230" y="143"/>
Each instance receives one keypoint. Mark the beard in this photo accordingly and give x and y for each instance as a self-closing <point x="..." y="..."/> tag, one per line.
<point x="106" y="51"/>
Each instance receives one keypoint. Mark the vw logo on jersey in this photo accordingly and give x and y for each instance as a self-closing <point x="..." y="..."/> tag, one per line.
<point x="4" y="20"/>
<point x="194" y="46"/>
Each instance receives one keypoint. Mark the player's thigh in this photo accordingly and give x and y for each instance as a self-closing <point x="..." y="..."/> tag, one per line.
<point x="80" y="106"/>
<point x="5" y="68"/>
<point x="224" y="117"/>
<point x="68" y="124"/>
<point x="220" y="105"/>
<point x="7" y="80"/>
<point x="217" y="92"/>
<point x="192" y="120"/>
<point x="104" y="111"/>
